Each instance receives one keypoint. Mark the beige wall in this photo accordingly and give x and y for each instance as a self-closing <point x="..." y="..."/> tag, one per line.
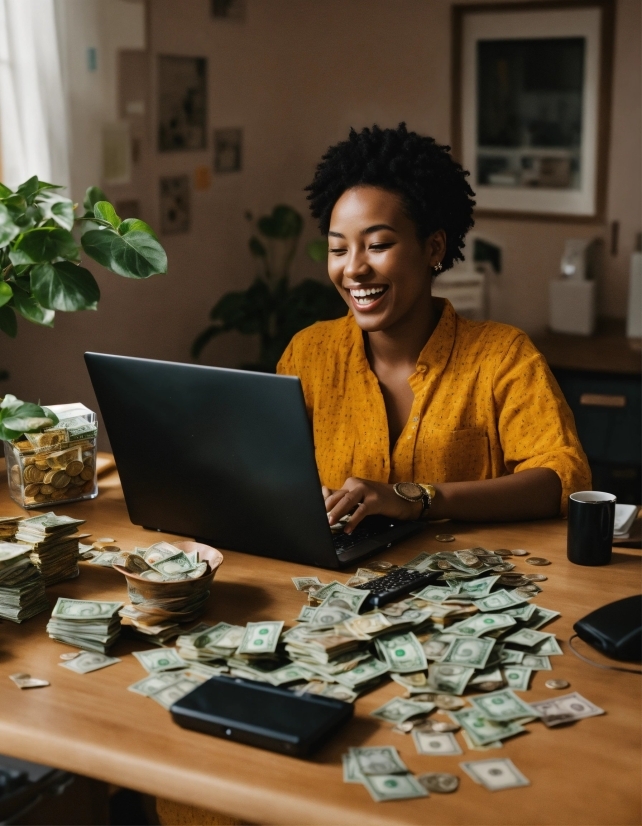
<point x="296" y="76"/>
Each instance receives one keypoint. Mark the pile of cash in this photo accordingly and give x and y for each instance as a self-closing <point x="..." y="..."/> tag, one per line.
<point x="22" y="587"/>
<point x="54" y="548"/>
<point x="168" y="586"/>
<point x="8" y="527"/>
<point x="85" y="623"/>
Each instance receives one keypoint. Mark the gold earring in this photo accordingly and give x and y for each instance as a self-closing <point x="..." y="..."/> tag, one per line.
<point x="438" y="267"/>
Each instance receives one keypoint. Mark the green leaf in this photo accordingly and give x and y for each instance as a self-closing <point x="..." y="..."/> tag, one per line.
<point x="27" y="418"/>
<point x="8" y="322"/>
<point x="92" y="196"/>
<point x="257" y="248"/>
<point x="9" y="405"/>
<point x="135" y="225"/>
<point x="44" y="244"/>
<point x="6" y="293"/>
<point x="44" y="185"/>
<point x="5" y="191"/>
<point x="318" y="250"/>
<point x="64" y="286"/>
<point x="8" y="229"/>
<point x="284" y="222"/>
<point x="29" y="308"/>
<point x="29" y="189"/>
<point x="56" y="207"/>
<point x="105" y="211"/>
<point x="134" y="255"/>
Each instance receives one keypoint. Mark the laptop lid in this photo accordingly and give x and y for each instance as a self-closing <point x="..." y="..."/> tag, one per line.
<point x="224" y="455"/>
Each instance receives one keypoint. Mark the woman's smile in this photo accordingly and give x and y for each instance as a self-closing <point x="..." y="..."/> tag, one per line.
<point x="366" y="299"/>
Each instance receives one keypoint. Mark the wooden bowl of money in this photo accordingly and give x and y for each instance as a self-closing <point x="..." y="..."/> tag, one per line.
<point x="175" y="586"/>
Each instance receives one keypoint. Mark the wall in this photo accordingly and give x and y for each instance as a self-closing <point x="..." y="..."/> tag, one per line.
<point x="295" y="76"/>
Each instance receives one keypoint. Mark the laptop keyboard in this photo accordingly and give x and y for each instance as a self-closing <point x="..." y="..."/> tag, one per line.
<point x="344" y="541"/>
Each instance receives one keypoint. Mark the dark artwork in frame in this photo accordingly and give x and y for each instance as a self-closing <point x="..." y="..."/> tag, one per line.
<point x="182" y="103"/>
<point x="174" y="204"/>
<point x="228" y="150"/>
<point x="233" y="10"/>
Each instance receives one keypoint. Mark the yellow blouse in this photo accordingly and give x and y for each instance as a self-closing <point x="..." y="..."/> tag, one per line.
<point x="486" y="404"/>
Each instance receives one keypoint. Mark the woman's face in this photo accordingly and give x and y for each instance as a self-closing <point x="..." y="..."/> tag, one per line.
<point x="376" y="260"/>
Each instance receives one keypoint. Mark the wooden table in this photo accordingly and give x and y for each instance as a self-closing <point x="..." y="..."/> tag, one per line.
<point x="588" y="773"/>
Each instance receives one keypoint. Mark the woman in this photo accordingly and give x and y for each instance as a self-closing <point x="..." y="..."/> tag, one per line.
<point x="417" y="412"/>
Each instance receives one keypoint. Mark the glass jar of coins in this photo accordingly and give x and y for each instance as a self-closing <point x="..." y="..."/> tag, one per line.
<point x="57" y="465"/>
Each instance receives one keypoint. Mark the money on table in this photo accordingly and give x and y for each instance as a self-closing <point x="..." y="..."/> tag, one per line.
<point x="495" y="774"/>
<point x="436" y="743"/>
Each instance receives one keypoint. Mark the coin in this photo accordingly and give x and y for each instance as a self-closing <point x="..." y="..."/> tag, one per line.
<point x="60" y="480"/>
<point x="70" y="656"/>
<point x="520" y="552"/>
<point x="380" y="565"/>
<point x="535" y="577"/>
<point x="557" y="684"/>
<point x="447" y="702"/>
<point x="490" y="685"/>
<point x="87" y="474"/>
<point x="439" y="782"/>
<point x="74" y="468"/>
<point x="444" y="565"/>
<point x="403" y="728"/>
<point x="513" y="582"/>
<point x="503" y="567"/>
<point x="32" y="489"/>
<point x="503" y="552"/>
<point x="537" y="560"/>
<point x="445" y="537"/>
<point x="439" y="726"/>
<point x="522" y="592"/>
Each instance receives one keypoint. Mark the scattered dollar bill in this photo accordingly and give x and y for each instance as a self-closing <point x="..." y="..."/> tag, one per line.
<point x="481" y="730"/>
<point x="155" y="682"/>
<point x="502" y="705"/>
<point x="402" y="652"/>
<point x="260" y="638"/>
<point x="482" y="624"/>
<point x="88" y="661"/>
<point x="499" y="601"/>
<point x="526" y="637"/>
<point x="385" y="787"/>
<point x="169" y="695"/>
<point x="470" y="652"/>
<point x="517" y="677"/>
<point x="448" y="679"/>
<point x="565" y="709"/>
<point x="399" y="710"/>
<point x="378" y="760"/>
<point x="495" y="774"/>
<point x="536" y="663"/>
<point x="436" y="743"/>
<point x="548" y="648"/>
<point x="27" y="681"/>
<point x="160" y="659"/>
<point x="303" y="583"/>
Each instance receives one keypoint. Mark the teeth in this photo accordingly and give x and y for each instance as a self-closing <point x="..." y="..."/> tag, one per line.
<point x="362" y="293"/>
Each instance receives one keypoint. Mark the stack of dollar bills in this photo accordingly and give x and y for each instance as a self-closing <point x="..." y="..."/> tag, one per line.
<point x="85" y="623"/>
<point x="382" y="771"/>
<point x="8" y="527"/>
<point x="54" y="548"/>
<point x="22" y="588"/>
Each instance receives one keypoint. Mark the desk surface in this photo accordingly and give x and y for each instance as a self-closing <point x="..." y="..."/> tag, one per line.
<point x="588" y="773"/>
<point x="607" y="351"/>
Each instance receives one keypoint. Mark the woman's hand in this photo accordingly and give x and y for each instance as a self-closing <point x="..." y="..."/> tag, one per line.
<point x="364" y="498"/>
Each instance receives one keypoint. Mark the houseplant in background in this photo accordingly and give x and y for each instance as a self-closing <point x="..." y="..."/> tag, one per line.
<point x="271" y="307"/>
<point x="40" y="270"/>
<point x="51" y="453"/>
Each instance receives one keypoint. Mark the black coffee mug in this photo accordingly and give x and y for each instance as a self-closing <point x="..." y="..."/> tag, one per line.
<point x="591" y="514"/>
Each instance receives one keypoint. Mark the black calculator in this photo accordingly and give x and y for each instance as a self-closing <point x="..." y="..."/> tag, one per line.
<point x="394" y="586"/>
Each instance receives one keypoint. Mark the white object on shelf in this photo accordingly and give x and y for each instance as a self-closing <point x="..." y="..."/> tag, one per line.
<point x="465" y="288"/>
<point x="634" y="314"/>
<point x="572" y="306"/>
<point x="625" y="516"/>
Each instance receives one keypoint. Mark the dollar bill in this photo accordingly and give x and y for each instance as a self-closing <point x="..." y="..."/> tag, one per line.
<point x="303" y="583"/>
<point x="481" y="730"/>
<point x="415" y="683"/>
<point x="526" y="637"/>
<point x="332" y="612"/>
<point x="510" y="656"/>
<point x="169" y="695"/>
<point x="365" y="672"/>
<point x="495" y="774"/>
<point x="565" y="709"/>
<point x="87" y="662"/>
<point x="419" y="563"/>
<point x="105" y="559"/>
<point x="536" y="663"/>
<point x="385" y="787"/>
<point x="402" y="652"/>
<point x="350" y="599"/>
<point x="399" y="710"/>
<point x="502" y="705"/>
<point x="27" y="681"/>
<point x="84" y="609"/>
<point x="433" y="593"/>
<point x="479" y="587"/>
<point x="351" y="772"/>
<point x="436" y="646"/>
<point x="159" y="659"/>
<point x="521" y="612"/>
<point x="474" y="746"/>
<point x="448" y="679"/>
<point x="541" y="616"/>
<point x="260" y="638"/>
<point x="435" y="743"/>
<point x="472" y="652"/>
<point x="481" y="624"/>
<point x="173" y="566"/>
<point x="517" y="677"/>
<point x="306" y="614"/>
<point x="548" y="648"/>
<point x="337" y="692"/>
<point x="367" y="625"/>
<point x="499" y="601"/>
<point x="378" y="760"/>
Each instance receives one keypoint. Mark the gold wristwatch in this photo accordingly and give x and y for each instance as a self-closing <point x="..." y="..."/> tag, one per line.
<point x="415" y="492"/>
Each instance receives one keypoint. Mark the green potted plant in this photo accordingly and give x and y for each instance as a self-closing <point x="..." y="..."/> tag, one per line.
<point x="40" y="269"/>
<point x="271" y="307"/>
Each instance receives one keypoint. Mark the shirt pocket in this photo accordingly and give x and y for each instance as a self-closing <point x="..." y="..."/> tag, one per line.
<point x="454" y="456"/>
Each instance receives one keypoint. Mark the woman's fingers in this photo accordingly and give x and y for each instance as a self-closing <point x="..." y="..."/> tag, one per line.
<point x="342" y="502"/>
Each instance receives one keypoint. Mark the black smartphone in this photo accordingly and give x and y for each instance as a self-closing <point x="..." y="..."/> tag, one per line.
<point x="261" y="715"/>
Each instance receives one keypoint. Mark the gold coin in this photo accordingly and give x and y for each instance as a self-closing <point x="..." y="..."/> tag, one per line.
<point x="48" y="477"/>
<point x="32" y="490"/>
<point x="520" y="552"/>
<point x="41" y="463"/>
<point x="77" y="480"/>
<point x="538" y="560"/>
<point x="40" y="497"/>
<point x="503" y="552"/>
<point x="60" y="479"/>
<point x="23" y="445"/>
<point x="31" y="474"/>
<point x="88" y="487"/>
<point x="557" y="684"/>
<point x="445" y="537"/>
<point x="59" y="495"/>
<point x="87" y="474"/>
<point x="29" y="460"/>
<point x="444" y="565"/>
<point x="74" y="468"/>
<point x="47" y="489"/>
<point x="535" y="577"/>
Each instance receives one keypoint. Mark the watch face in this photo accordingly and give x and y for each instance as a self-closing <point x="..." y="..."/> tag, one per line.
<point x="410" y="490"/>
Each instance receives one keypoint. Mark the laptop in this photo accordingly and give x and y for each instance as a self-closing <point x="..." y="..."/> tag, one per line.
<point x="225" y="456"/>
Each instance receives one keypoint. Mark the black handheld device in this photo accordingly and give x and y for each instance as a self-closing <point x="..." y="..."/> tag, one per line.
<point x="261" y="715"/>
<point x="394" y="586"/>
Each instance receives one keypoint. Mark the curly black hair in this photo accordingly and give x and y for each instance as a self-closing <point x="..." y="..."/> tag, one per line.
<point x="432" y="186"/>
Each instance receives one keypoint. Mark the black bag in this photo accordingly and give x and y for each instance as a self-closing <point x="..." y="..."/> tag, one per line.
<point x="615" y="629"/>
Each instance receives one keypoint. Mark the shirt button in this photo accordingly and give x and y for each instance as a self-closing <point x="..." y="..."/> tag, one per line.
<point x="421" y="368"/>
<point x="415" y="418"/>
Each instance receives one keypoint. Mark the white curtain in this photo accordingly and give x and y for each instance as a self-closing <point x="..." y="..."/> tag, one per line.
<point x="33" y="116"/>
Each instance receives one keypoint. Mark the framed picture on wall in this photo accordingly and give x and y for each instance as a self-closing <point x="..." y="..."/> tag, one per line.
<point x="174" y="204"/>
<point x="182" y="103"/>
<point x="531" y="102"/>
<point x="228" y="150"/>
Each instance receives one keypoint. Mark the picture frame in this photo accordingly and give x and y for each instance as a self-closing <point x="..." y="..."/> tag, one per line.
<point x="175" y="204"/>
<point x="182" y="103"/>
<point x="228" y="150"/>
<point x="531" y="88"/>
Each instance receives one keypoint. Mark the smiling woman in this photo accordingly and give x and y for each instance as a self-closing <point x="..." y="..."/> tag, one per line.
<point x="417" y="412"/>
